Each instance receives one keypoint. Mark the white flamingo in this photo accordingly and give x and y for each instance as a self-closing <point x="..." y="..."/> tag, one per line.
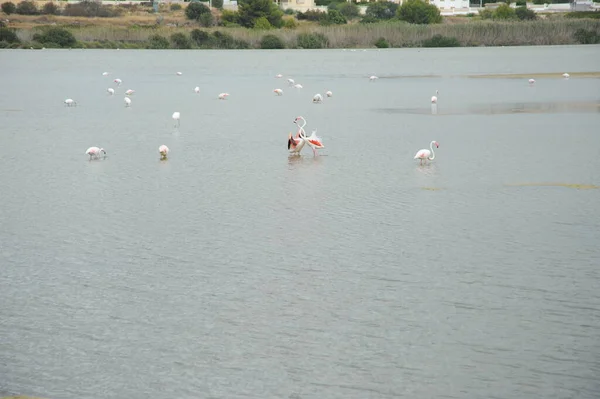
<point x="176" y="116"/>
<point x="531" y="81"/>
<point x="425" y="154"/>
<point x="127" y="102"/>
<point x="313" y="140"/>
<point x="565" y="75"/>
<point x="94" y="152"/>
<point x="298" y="86"/>
<point x="69" y="102"/>
<point x="279" y="76"/>
<point x="179" y="73"/>
<point x="110" y="91"/>
<point x="372" y="78"/>
<point x="317" y="99"/>
<point x="291" y="82"/>
<point x="118" y="81"/>
<point x="434" y="98"/>
<point x="223" y="96"/>
<point x="104" y="73"/>
<point x="295" y="144"/>
<point x="329" y="94"/>
<point x="129" y="92"/>
<point x="163" y="150"/>
<point x="279" y="92"/>
<point x="196" y="90"/>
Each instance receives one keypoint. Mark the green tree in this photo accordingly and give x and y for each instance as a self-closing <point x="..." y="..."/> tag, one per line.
<point x="381" y="10"/>
<point x="217" y="4"/>
<point x="523" y="13"/>
<point x="8" y="8"/>
<point x="158" y="42"/>
<point x="419" y="12"/>
<point x="50" y="9"/>
<point x="207" y="20"/>
<point x="27" y="8"/>
<point x="194" y="10"/>
<point x="262" y="23"/>
<point x="180" y="41"/>
<point x="349" y="10"/>
<point x="8" y="35"/>
<point x="250" y="10"/>
<point x="271" y="42"/>
<point x="201" y="37"/>
<point x="60" y="36"/>
<point x="334" y="17"/>
<point x="504" y="11"/>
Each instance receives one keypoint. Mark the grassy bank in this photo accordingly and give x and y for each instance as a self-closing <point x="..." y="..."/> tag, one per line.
<point x="394" y="34"/>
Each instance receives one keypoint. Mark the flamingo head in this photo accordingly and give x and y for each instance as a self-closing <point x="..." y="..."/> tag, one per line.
<point x="102" y="151"/>
<point x="437" y="145"/>
<point x="298" y="119"/>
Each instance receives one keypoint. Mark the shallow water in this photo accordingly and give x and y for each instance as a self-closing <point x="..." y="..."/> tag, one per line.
<point x="234" y="271"/>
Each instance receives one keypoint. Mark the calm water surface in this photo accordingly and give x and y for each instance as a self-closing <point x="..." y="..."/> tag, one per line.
<point x="234" y="271"/>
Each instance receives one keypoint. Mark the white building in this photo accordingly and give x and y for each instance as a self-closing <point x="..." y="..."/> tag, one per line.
<point x="447" y="5"/>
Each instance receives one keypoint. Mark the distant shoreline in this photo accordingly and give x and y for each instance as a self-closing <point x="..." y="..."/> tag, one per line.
<point x="383" y="35"/>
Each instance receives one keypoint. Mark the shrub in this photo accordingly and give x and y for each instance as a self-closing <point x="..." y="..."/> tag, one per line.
<point x="2" y="24"/>
<point x="523" y="13"/>
<point x="382" y="43"/>
<point x="540" y="2"/>
<point x="289" y="11"/>
<point x="504" y="11"/>
<point x="290" y="23"/>
<point x="207" y="20"/>
<point x="226" y="41"/>
<point x="229" y="17"/>
<point x="334" y="18"/>
<point x="27" y="8"/>
<point x="251" y="10"/>
<point x="312" y="40"/>
<point x="271" y="42"/>
<point x="217" y="4"/>
<point x="262" y="23"/>
<point x="88" y="8"/>
<point x="194" y="10"/>
<point x="175" y="7"/>
<point x="8" y="36"/>
<point x="349" y="10"/>
<point x="441" y="41"/>
<point x="584" y="36"/>
<point x="158" y="42"/>
<point x="180" y="41"/>
<point x="8" y="8"/>
<point x="521" y="3"/>
<point x="50" y="8"/>
<point x="201" y="37"/>
<point x="583" y="14"/>
<point x="381" y="10"/>
<point x="312" y="15"/>
<point x="60" y="36"/>
<point x="486" y="14"/>
<point x="419" y="12"/>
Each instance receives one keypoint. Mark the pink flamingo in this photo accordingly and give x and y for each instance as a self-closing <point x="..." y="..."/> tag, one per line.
<point x="425" y="154"/>
<point x="94" y="152"/>
<point x="164" y="151"/>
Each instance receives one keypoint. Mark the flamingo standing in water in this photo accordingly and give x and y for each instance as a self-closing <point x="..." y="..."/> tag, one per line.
<point x="179" y="73"/>
<point x="104" y="73"/>
<point x="129" y="92"/>
<point x="531" y="81"/>
<point x="163" y="150"/>
<point x="94" y="152"/>
<point x="110" y="91"/>
<point x="69" y="102"/>
<point x="298" y="86"/>
<point x="372" y="78"/>
<point x="313" y="140"/>
<point x="291" y="82"/>
<point x="425" y="154"/>
<point x="317" y="99"/>
<point x="127" y="102"/>
<point x="118" y="81"/>
<point x="223" y="96"/>
<point x="279" y="92"/>
<point x="565" y="75"/>
<point x="434" y="98"/>
<point x="176" y="116"/>
<point x="329" y="94"/>
<point x="279" y="75"/>
<point x="295" y="144"/>
<point x="196" y="89"/>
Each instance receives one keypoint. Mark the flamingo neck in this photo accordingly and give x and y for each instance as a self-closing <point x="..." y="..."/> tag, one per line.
<point x="432" y="157"/>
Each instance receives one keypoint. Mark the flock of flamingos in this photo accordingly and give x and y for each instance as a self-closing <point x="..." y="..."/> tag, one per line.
<point x="295" y="143"/>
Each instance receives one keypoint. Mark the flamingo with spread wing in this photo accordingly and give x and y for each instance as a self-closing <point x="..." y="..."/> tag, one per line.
<point x="313" y="141"/>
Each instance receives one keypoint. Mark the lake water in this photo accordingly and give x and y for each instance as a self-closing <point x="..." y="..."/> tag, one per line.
<point x="233" y="270"/>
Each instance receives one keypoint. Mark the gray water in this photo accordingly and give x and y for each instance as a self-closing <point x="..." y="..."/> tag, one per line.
<point x="232" y="270"/>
